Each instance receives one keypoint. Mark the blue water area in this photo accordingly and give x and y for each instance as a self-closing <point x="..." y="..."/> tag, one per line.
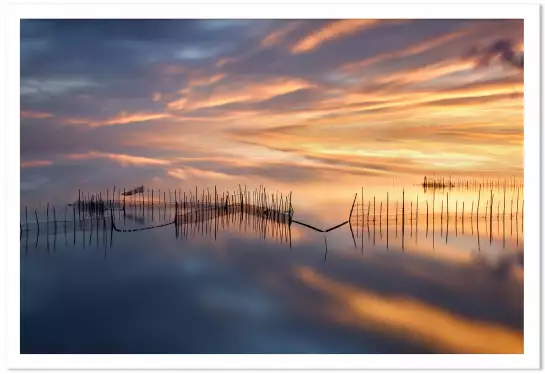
<point x="242" y="284"/>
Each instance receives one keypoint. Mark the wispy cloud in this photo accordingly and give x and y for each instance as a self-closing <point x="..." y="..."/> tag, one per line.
<point x="411" y="50"/>
<point x="122" y="159"/>
<point x="188" y="173"/>
<point x="35" y="163"/>
<point x="35" y="115"/>
<point x="277" y="36"/>
<point x="122" y="118"/>
<point x="427" y="72"/>
<point x="332" y="31"/>
<point x="240" y="92"/>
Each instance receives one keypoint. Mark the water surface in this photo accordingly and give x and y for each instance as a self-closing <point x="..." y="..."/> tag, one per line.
<point x="240" y="284"/>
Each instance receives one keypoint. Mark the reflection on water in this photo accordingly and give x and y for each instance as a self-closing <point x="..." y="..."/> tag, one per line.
<point x="406" y="281"/>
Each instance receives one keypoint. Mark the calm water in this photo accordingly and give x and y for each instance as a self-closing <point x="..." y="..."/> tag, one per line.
<point x="241" y="284"/>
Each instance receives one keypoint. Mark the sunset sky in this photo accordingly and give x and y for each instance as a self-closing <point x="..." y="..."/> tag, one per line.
<point x="281" y="102"/>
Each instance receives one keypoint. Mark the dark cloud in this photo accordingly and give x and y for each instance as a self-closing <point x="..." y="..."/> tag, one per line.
<point x="502" y="49"/>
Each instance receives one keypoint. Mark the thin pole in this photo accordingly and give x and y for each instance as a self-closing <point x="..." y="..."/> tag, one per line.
<point x="447" y="205"/>
<point x="417" y="213"/>
<point x="427" y="211"/>
<point x="403" y="223"/>
<point x="396" y="216"/>
<point x="463" y="205"/>
<point x="518" y="193"/>
<point x="504" y="183"/>
<point x="351" y="210"/>
<point x="374" y="210"/>
<point x="478" y="203"/>
<point x="362" y="208"/>
<point x="491" y="205"/>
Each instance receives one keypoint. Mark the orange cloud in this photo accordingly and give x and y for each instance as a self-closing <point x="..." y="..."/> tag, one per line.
<point x="35" y="115"/>
<point x="188" y="173"/>
<point x="156" y="96"/>
<point x="414" y="320"/>
<point x="124" y="118"/>
<point x="332" y="31"/>
<point x="224" y="61"/>
<point x="403" y="97"/>
<point x="411" y="50"/>
<point x="119" y="119"/>
<point x="122" y="159"/>
<point x="174" y="70"/>
<point x="206" y="81"/>
<point x="35" y="163"/>
<point x="241" y="93"/>
<point x="427" y="72"/>
<point x="278" y="35"/>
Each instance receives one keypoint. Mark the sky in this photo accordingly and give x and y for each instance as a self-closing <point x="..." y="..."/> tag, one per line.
<point x="296" y="104"/>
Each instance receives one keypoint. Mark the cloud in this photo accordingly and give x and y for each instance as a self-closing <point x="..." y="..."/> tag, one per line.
<point x="122" y="118"/>
<point x="426" y="73"/>
<point x="156" y="96"/>
<point x="240" y="92"/>
<point x="332" y="31"/>
<point x="122" y="159"/>
<point x="35" y="163"/>
<point x="35" y="114"/>
<point x="277" y="36"/>
<point x="413" y="49"/>
<point x="172" y="69"/>
<point x="364" y="87"/>
<point x="189" y="173"/>
<point x="504" y="49"/>
<point x="54" y="86"/>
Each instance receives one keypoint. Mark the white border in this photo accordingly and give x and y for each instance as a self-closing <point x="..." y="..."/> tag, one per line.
<point x="530" y="13"/>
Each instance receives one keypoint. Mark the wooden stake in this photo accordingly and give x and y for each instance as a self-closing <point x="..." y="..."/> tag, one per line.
<point x="403" y="212"/>
<point x="478" y="203"/>
<point x="374" y="210"/>
<point x="352" y="206"/>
